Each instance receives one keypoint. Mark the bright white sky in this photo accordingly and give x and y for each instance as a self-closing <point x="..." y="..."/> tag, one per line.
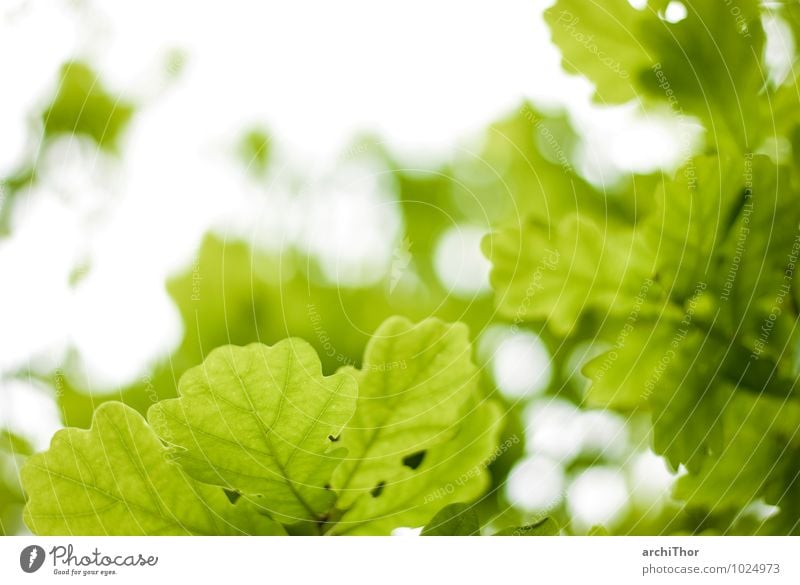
<point x="423" y="76"/>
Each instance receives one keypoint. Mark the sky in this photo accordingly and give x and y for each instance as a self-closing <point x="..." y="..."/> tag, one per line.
<point x="425" y="77"/>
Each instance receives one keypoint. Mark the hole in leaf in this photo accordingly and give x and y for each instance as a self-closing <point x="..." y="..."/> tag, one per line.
<point x="414" y="460"/>
<point x="378" y="489"/>
<point x="233" y="496"/>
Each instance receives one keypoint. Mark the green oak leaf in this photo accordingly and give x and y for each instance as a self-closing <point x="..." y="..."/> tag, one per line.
<point x="454" y="471"/>
<point x="712" y="62"/>
<point x="621" y="377"/>
<point x="672" y="367"/>
<point x="115" y="479"/>
<point x="685" y="373"/>
<point x="759" y="460"/>
<point x="730" y="223"/>
<point x="534" y="151"/>
<point x="414" y="384"/>
<point x="454" y="520"/>
<point x="600" y="41"/>
<point x="721" y="236"/>
<point x="544" y="527"/>
<point x="757" y="259"/>
<point x="694" y="214"/>
<point x="709" y="64"/>
<point x="261" y="421"/>
<point x="541" y="272"/>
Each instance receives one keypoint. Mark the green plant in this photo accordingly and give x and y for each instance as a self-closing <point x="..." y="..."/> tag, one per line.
<point x="682" y="282"/>
<point x="260" y="442"/>
<point x="694" y="301"/>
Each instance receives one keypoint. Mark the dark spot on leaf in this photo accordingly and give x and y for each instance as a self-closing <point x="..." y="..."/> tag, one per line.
<point x="332" y="439"/>
<point x="414" y="460"/>
<point x="233" y="496"/>
<point x="378" y="489"/>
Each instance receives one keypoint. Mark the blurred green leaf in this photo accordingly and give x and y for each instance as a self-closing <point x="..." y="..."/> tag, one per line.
<point x="13" y="444"/>
<point x="82" y="106"/>
<point x="254" y="149"/>
<point x="454" y="520"/>
<point x="759" y="460"/>
<point x="559" y="274"/>
<point x="13" y="451"/>
<point x="545" y="527"/>
<point x="115" y="479"/>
